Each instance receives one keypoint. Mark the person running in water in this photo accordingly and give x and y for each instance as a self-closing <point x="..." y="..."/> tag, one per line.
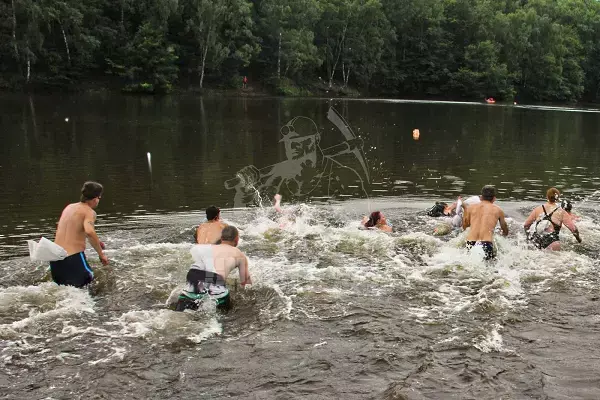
<point x="549" y="219"/>
<point x="482" y="219"/>
<point x="75" y="225"/>
<point x="210" y="232"/>
<point x="212" y="265"/>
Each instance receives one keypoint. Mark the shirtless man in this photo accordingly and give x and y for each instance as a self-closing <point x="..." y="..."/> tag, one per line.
<point x="75" y="224"/>
<point x="549" y="218"/>
<point x="210" y="231"/>
<point x="482" y="219"/>
<point x="212" y="265"/>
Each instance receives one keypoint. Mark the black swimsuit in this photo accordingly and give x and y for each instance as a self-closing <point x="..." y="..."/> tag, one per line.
<point x="488" y="248"/>
<point x="547" y="238"/>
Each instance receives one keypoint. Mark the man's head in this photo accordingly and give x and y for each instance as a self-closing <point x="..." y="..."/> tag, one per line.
<point x="230" y="235"/>
<point x="212" y="213"/>
<point x="552" y="195"/>
<point x="488" y="193"/>
<point x="91" y="192"/>
<point x="300" y="137"/>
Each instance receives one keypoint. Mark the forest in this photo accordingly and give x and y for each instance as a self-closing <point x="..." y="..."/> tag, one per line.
<point x="530" y="50"/>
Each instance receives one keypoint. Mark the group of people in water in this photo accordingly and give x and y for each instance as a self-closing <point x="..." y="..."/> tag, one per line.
<point x="216" y="255"/>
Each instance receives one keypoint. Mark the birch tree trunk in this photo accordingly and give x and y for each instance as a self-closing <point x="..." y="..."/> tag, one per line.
<point x="279" y="58"/>
<point x="337" y="58"/>
<point x="66" y="43"/>
<point x="28" y="68"/>
<point x="203" y="66"/>
<point x="14" y="30"/>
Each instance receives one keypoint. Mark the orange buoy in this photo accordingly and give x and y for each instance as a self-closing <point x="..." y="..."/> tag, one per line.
<point x="416" y="134"/>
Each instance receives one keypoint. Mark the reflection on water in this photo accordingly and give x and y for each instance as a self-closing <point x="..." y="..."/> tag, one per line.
<point x="335" y="311"/>
<point x="197" y="144"/>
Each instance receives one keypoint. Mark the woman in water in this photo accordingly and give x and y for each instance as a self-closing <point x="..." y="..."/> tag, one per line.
<point x="376" y="221"/>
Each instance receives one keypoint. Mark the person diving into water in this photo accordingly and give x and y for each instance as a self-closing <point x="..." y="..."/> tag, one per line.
<point x="482" y="219"/>
<point x="549" y="219"/>
<point x="209" y="232"/>
<point x="212" y="265"/>
<point x="75" y="225"/>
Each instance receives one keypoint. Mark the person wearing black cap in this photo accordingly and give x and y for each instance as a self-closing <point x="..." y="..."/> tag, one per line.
<point x="75" y="225"/>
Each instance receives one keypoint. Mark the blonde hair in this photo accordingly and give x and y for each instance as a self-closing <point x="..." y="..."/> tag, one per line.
<point x="552" y="195"/>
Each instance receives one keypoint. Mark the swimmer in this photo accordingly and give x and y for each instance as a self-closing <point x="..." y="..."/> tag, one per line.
<point x="482" y="219"/>
<point x="454" y="210"/>
<point x="75" y="225"/>
<point x="549" y="219"/>
<point x="210" y="232"/>
<point x="376" y="221"/>
<point x="212" y="265"/>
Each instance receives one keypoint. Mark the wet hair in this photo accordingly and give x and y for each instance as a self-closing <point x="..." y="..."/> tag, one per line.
<point x="212" y="212"/>
<point x="437" y="210"/>
<point x="229" y="233"/>
<point x="552" y="195"/>
<point x="90" y="190"/>
<point x="373" y="219"/>
<point x="488" y="192"/>
<point x="566" y="205"/>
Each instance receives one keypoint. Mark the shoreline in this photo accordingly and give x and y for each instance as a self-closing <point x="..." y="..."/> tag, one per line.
<point x="309" y="92"/>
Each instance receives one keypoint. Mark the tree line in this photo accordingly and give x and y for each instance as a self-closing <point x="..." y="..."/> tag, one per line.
<point x="540" y="50"/>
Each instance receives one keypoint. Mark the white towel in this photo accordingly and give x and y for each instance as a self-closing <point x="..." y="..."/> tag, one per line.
<point x="45" y="250"/>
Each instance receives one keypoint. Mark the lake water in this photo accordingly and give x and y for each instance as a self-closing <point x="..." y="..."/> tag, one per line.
<point x="334" y="312"/>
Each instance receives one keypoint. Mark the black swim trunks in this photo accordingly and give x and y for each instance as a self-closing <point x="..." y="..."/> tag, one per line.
<point x="72" y="271"/>
<point x="544" y="240"/>
<point x="488" y="248"/>
<point x="202" y="284"/>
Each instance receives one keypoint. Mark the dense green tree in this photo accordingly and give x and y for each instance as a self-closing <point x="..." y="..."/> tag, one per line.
<point x="543" y="50"/>
<point x="150" y="62"/>
<point x="218" y="30"/>
<point x="285" y="27"/>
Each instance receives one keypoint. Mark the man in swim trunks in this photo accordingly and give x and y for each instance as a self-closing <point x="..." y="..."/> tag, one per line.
<point x="482" y="219"/>
<point x="212" y="264"/>
<point x="548" y="219"/>
<point x="75" y="224"/>
<point x="210" y="232"/>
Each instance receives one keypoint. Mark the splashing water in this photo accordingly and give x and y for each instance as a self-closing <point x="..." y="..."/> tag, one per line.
<point x="385" y="310"/>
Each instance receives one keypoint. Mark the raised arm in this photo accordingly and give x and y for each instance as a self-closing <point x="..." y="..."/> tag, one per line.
<point x="90" y="231"/>
<point x="569" y="223"/>
<point x="503" y="224"/>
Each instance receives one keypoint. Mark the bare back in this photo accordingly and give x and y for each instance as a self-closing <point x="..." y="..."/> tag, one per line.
<point x="209" y="232"/>
<point x="70" y="232"/>
<point x="483" y="218"/>
<point x="227" y="258"/>
<point x="222" y="259"/>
